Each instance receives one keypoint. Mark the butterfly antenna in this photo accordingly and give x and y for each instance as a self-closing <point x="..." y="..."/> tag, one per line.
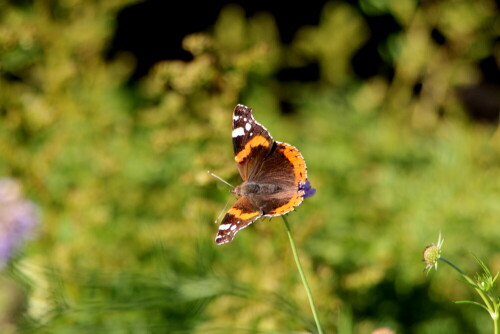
<point x="220" y="214"/>
<point x="220" y="179"/>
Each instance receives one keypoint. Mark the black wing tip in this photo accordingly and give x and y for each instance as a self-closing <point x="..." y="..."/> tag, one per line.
<point x="242" y="109"/>
<point x="239" y="105"/>
<point x="221" y="239"/>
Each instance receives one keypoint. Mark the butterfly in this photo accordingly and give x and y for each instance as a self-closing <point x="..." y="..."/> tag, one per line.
<point x="274" y="176"/>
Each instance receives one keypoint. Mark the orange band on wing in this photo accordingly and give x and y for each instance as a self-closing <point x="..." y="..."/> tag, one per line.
<point x="254" y="142"/>
<point x="299" y="165"/>
<point x="289" y="206"/>
<point x="243" y="216"/>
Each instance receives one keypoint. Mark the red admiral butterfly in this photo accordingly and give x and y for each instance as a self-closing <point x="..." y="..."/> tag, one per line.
<point x="274" y="176"/>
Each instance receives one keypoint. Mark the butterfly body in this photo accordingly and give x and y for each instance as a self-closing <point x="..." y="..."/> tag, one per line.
<point x="274" y="176"/>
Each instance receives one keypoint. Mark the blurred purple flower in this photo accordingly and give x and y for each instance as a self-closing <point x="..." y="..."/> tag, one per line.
<point x="308" y="190"/>
<point x="18" y="218"/>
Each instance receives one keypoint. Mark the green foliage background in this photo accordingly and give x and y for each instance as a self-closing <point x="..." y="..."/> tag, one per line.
<point x="119" y="172"/>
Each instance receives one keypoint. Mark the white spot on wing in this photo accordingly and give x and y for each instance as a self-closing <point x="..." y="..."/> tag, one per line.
<point x="238" y="132"/>
<point x="224" y="227"/>
<point x="233" y="227"/>
<point x="248" y="126"/>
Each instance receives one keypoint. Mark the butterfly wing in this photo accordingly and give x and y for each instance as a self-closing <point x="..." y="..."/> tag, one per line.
<point x="284" y="167"/>
<point x="242" y="214"/>
<point x="251" y="141"/>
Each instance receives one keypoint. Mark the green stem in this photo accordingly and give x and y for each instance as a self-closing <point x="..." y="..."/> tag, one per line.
<point x="471" y="281"/>
<point x="451" y="264"/>
<point x="492" y="307"/>
<point x="483" y="297"/>
<point x="495" y="315"/>
<point x="302" y="275"/>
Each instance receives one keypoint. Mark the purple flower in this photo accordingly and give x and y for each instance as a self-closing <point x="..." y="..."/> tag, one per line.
<point x="308" y="190"/>
<point x="18" y="218"/>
